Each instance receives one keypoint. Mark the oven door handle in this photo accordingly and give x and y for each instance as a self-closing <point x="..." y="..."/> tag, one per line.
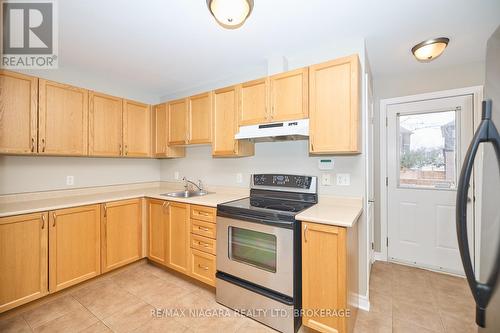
<point x="279" y="224"/>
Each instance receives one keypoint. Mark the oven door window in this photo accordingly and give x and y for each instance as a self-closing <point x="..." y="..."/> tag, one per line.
<point x="254" y="248"/>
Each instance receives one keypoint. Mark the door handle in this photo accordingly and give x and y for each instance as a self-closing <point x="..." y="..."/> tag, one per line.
<point x="105" y="210"/>
<point x="32" y="145"/>
<point x="54" y="217"/>
<point x="482" y="292"/>
<point x="305" y="233"/>
<point x="43" y="145"/>
<point x="43" y="221"/>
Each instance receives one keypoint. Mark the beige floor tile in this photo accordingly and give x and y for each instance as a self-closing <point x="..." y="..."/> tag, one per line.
<point x="416" y="314"/>
<point x="369" y="322"/>
<point x="98" y="327"/>
<point x="51" y="310"/>
<point x="252" y="326"/>
<point x="129" y="318"/>
<point x="161" y="325"/>
<point x="162" y="293"/>
<point x="380" y="302"/>
<point x="105" y="299"/>
<point x="456" y="323"/>
<point x="74" y="321"/>
<point x="135" y="281"/>
<point x="14" y="325"/>
<point x="406" y="327"/>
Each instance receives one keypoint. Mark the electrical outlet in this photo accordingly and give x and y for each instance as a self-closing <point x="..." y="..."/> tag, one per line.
<point x="70" y="180"/>
<point x="343" y="179"/>
<point x="176" y="175"/>
<point x="326" y="179"/>
<point x="239" y="178"/>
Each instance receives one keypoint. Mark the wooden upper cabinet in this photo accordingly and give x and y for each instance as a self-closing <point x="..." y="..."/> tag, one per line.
<point x="23" y="259"/>
<point x="200" y="118"/>
<point x="121" y="230"/>
<point x="178" y="122"/>
<point x="62" y="119"/>
<point x="160" y="134"/>
<point x="324" y="269"/>
<point x="289" y="95"/>
<point x="136" y="129"/>
<point x="18" y="113"/>
<point x="225" y="106"/>
<point x="105" y="125"/>
<point x="334" y="120"/>
<point x="158" y="230"/>
<point x="254" y="102"/>
<point x="74" y="246"/>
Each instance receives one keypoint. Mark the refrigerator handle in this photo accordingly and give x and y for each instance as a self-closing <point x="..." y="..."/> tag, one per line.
<point x="482" y="292"/>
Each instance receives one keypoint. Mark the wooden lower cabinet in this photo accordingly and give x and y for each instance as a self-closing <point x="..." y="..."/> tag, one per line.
<point x="178" y="237"/>
<point x="203" y="266"/>
<point x="121" y="229"/>
<point x="23" y="259"/>
<point x="158" y="216"/>
<point x="329" y="276"/>
<point x="74" y="246"/>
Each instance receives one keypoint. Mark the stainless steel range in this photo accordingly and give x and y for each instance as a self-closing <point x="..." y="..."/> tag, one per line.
<point x="258" y="249"/>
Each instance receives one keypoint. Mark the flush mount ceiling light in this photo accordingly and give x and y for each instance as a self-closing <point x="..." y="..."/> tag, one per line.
<point x="231" y="14"/>
<point x="430" y="49"/>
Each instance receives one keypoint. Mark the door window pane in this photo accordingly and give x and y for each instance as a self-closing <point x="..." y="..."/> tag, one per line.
<point x="252" y="247"/>
<point x="427" y="150"/>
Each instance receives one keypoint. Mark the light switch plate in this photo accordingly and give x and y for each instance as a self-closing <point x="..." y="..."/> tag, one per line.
<point x="343" y="179"/>
<point x="70" y="180"/>
<point x="326" y="179"/>
<point x="325" y="164"/>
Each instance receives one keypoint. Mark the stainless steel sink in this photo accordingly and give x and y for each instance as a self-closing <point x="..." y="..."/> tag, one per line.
<point x="185" y="194"/>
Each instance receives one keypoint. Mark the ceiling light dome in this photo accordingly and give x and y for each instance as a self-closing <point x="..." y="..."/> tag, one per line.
<point x="231" y="14"/>
<point x="430" y="49"/>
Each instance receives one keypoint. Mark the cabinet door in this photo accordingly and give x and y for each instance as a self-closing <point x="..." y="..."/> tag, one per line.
<point x="254" y="102"/>
<point x="334" y="107"/>
<point x="178" y="241"/>
<point x="177" y="122"/>
<point x="136" y="129"/>
<point x="62" y="119"/>
<point x="121" y="233"/>
<point x="225" y="108"/>
<point x="324" y="275"/>
<point x="74" y="246"/>
<point x="200" y="118"/>
<point x="23" y="259"/>
<point x="160" y="134"/>
<point x="289" y="95"/>
<point x="105" y="125"/>
<point x="158" y="230"/>
<point x="18" y="113"/>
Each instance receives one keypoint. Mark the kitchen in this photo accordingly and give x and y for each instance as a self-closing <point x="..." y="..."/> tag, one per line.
<point x="146" y="189"/>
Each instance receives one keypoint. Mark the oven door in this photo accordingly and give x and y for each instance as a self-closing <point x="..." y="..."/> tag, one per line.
<point x="258" y="253"/>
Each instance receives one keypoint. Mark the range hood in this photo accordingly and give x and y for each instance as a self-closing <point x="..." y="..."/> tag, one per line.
<point x="279" y="131"/>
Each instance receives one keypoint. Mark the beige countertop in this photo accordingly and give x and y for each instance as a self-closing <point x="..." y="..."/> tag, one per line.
<point x="45" y="202"/>
<point x="337" y="211"/>
<point x="342" y="212"/>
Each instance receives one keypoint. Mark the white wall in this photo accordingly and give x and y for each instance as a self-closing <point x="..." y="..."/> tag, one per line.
<point x="27" y="174"/>
<point x="404" y="84"/>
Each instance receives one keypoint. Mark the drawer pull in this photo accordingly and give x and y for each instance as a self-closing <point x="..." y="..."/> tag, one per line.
<point x="199" y="212"/>
<point x="203" y="267"/>
<point x="203" y="229"/>
<point x="203" y="244"/>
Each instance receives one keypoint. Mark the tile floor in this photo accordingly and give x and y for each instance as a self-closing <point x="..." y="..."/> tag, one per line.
<point x="403" y="300"/>
<point x="407" y="299"/>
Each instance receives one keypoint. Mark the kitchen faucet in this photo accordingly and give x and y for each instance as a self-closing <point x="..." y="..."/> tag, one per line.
<point x="199" y="186"/>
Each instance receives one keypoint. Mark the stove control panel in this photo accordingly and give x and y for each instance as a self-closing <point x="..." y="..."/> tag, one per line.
<point x="278" y="180"/>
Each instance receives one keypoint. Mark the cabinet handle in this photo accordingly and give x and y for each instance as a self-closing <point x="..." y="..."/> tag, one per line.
<point x="126" y="150"/>
<point x="32" y="145"/>
<point x="203" y="213"/>
<point x="305" y="233"/>
<point x="43" y="221"/>
<point x="166" y="204"/>
<point x="202" y="228"/>
<point x="203" y="267"/>
<point x="43" y="145"/>
<point x="54" y="217"/>
<point x="121" y="149"/>
<point x="105" y="210"/>
<point x="203" y="244"/>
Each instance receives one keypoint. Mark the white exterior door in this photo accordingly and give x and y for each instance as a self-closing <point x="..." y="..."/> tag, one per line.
<point x="426" y="143"/>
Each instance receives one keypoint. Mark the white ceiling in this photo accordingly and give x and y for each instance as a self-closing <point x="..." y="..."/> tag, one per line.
<point x="174" y="45"/>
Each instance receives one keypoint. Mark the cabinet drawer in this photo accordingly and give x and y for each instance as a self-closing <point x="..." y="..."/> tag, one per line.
<point x="203" y="244"/>
<point x="203" y="228"/>
<point x="203" y="213"/>
<point x="203" y="267"/>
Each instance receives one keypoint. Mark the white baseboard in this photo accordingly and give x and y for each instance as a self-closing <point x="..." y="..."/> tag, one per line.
<point x="379" y="256"/>
<point x="363" y="303"/>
